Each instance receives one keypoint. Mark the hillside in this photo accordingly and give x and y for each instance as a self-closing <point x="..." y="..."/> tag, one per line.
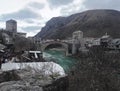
<point x="94" y="23"/>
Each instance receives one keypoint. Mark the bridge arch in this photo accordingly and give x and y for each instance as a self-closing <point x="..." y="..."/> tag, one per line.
<point x="46" y="44"/>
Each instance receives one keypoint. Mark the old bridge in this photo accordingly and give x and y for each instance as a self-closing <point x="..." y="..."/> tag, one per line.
<point x="64" y="45"/>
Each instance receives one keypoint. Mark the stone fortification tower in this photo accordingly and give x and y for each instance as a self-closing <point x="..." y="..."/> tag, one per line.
<point x="77" y="41"/>
<point x="11" y="26"/>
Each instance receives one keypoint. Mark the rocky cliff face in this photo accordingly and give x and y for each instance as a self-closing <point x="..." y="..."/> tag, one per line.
<point x="94" y="23"/>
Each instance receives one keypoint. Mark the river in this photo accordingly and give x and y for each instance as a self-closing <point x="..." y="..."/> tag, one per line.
<point x="59" y="57"/>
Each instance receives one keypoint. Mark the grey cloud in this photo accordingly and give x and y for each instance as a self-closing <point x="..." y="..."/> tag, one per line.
<point x="71" y="9"/>
<point x="90" y="4"/>
<point x="57" y="3"/>
<point x="21" y="15"/>
<point x="30" y="21"/>
<point x="98" y="4"/>
<point x="66" y="11"/>
<point x="31" y="28"/>
<point x="36" y="5"/>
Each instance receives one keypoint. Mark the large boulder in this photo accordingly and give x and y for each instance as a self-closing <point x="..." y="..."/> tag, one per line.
<point x="30" y="79"/>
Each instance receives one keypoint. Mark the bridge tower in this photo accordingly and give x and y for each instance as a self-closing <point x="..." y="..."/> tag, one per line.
<point x="77" y="41"/>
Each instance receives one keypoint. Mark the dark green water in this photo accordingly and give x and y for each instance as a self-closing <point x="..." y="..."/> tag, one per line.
<point x="59" y="57"/>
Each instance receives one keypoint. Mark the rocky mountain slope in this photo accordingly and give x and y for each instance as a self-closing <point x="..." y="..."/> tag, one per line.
<point x="93" y="23"/>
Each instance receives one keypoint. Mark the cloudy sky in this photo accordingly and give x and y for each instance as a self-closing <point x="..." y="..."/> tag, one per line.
<point x="32" y="15"/>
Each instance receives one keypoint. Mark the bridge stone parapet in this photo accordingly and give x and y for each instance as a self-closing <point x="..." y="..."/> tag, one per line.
<point x="44" y="45"/>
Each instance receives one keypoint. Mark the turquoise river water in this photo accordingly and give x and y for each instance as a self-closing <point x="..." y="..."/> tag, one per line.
<point x="59" y="57"/>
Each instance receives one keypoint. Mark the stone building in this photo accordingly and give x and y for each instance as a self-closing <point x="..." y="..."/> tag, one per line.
<point x="11" y="26"/>
<point x="78" y="41"/>
<point x="78" y="36"/>
<point x="89" y="42"/>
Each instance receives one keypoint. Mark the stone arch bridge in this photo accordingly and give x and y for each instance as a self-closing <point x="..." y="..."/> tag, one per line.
<point x="44" y="45"/>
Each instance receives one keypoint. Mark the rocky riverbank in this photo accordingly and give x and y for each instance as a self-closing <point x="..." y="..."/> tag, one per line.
<point x="29" y="79"/>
